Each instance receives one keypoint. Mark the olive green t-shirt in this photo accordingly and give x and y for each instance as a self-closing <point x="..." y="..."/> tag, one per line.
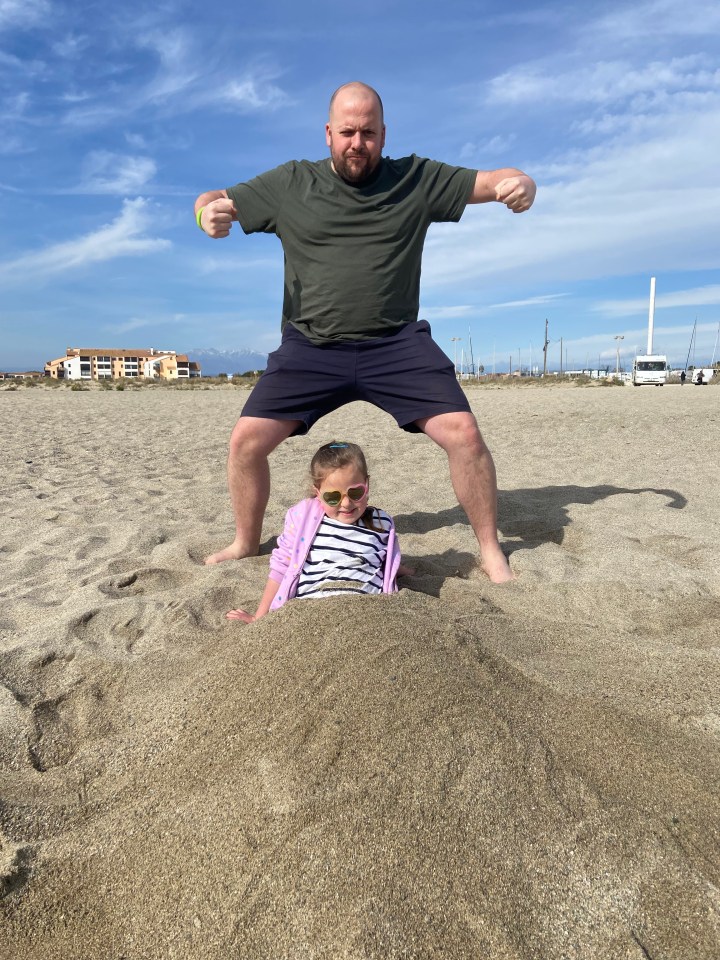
<point x="352" y="252"/>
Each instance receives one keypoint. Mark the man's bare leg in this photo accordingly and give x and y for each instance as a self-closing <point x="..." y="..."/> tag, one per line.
<point x="251" y="442"/>
<point x="472" y="472"/>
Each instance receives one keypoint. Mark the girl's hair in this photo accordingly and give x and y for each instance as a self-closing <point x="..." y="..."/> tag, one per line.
<point x="334" y="456"/>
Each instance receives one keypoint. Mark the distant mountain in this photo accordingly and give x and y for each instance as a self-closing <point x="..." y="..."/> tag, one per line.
<point x="212" y="362"/>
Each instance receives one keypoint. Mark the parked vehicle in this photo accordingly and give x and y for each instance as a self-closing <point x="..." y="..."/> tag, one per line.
<point x="650" y="369"/>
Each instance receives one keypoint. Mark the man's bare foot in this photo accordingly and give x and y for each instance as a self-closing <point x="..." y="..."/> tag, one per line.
<point x="236" y="551"/>
<point x="496" y="567"/>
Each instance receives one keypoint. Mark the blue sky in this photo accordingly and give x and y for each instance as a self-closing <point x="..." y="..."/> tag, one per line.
<point x="115" y="116"/>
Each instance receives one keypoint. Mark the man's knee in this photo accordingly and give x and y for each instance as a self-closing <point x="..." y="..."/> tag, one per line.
<point x="254" y="436"/>
<point x="455" y="431"/>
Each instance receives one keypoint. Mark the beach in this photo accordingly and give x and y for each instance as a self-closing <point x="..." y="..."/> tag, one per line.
<point x="460" y="770"/>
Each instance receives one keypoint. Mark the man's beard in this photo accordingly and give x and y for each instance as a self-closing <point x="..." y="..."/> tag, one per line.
<point x="355" y="169"/>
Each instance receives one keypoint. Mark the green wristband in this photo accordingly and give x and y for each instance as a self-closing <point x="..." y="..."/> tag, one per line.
<point x="198" y="218"/>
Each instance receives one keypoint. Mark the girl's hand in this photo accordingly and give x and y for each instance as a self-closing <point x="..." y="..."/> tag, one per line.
<point x="405" y="571"/>
<point x="240" y="615"/>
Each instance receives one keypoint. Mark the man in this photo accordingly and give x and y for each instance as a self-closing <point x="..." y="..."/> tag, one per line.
<point x="352" y="229"/>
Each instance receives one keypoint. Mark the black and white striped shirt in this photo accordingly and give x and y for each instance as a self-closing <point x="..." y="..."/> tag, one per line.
<point x="345" y="558"/>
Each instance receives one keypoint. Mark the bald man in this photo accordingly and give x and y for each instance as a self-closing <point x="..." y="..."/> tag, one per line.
<point x="352" y="229"/>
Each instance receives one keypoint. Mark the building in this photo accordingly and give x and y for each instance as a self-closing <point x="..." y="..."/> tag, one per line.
<point x="88" y="363"/>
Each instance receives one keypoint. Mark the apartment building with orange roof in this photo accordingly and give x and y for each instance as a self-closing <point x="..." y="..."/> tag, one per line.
<point x="90" y="363"/>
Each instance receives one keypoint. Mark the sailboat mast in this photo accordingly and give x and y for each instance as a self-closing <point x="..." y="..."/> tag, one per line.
<point x="717" y="336"/>
<point x="692" y="341"/>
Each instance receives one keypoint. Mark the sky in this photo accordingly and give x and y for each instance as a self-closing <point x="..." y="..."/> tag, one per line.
<point x="116" y="116"/>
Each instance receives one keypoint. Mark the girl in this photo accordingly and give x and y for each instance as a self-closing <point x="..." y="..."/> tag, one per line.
<point x="333" y="543"/>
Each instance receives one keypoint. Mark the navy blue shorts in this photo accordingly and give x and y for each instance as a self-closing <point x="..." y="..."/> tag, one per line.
<point x="405" y="374"/>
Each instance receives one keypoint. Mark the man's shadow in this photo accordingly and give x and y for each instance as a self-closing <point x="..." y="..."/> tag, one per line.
<point x="531" y="517"/>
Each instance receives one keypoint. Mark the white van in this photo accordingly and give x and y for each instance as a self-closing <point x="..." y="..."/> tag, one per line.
<point x="650" y="368"/>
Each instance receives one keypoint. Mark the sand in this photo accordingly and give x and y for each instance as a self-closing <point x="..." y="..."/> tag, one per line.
<point x="457" y="771"/>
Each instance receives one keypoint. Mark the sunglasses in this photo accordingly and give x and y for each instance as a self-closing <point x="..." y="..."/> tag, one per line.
<point x="333" y="498"/>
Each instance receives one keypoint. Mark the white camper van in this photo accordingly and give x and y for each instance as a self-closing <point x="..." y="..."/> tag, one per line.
<point x="650" y="368"/>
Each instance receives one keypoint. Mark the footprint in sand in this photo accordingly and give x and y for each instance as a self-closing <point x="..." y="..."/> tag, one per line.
<point x="89" y="546"/>
<point x="145" y="580"/>
<point x="62" y="725"/>
<point x="111" y="631"/>
<point x="54" y="737"/>
<point x="16" y="861"/>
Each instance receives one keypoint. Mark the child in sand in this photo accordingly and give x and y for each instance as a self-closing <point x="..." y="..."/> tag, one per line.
<point x="333" y="543"/>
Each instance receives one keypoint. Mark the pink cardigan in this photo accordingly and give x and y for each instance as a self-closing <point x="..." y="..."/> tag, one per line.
<point x="301" y="525"/>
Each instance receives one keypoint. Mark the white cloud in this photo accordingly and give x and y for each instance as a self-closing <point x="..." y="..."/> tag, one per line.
<point x="252" y="93"/>
<point x="141" y="323"/>
<point x="455" y="312"/>
<point x="26" y="67"/>
<point x="495" y="146"/>
<point x="673" y="341"/>
<point x="696" y="297"/>
<point x="14" y="146"/>
<point x="529" y="302"/>
<point x="21" y="13"/>
<point x="71" y="46"/>
<point x="110" y="173"/>
<point x="630" y="185"/>
<point x="603" y="82"/>
<point x="124" y="237"/>
<point x="642" y="21"/>
<point x="75" y="96"/>
<point x="136" y="140"/>
<point x="15" y="107"/>
<point x="631" y="205"/>
<point x="181" y="88"/>
<point x="227" y="264"/>
<point x="182" y="79"/>
<point x="134" y="324"/>
<point x="177" y="72"/>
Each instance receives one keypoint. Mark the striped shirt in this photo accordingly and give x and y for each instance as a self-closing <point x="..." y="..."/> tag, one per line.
<point x="345" y="558"/>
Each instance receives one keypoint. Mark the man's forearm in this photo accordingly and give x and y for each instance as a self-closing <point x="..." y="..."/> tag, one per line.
<point x="508" y="185"/>
<point x="483" y="190"/>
